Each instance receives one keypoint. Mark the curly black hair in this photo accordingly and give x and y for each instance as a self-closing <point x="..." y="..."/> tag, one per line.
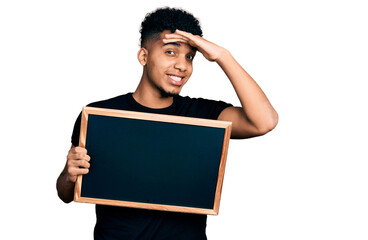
<point x="168" y="19"/>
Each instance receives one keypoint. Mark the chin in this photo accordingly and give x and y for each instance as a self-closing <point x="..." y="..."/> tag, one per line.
<point x="165" y="93"/>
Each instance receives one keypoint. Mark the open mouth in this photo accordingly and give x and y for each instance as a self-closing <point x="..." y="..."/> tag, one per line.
<point x="176" y="80"/>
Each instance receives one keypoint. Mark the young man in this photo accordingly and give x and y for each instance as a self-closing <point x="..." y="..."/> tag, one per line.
<point x="170" y="39"/>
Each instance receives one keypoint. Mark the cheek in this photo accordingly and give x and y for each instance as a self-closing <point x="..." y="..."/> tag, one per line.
<point x="160" y="67"/>
<point x="190" y="70"/>
<point x="153" y="69"/>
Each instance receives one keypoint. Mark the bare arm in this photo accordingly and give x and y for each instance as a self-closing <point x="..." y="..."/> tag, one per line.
<point x="256" y="116"/>
<point x="77" y="164"/>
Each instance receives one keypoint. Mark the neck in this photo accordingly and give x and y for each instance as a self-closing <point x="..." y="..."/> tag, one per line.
<point x="151" y="98"/>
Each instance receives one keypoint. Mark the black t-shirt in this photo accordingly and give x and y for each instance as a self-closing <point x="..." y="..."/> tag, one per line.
<point x="129" y="223"/>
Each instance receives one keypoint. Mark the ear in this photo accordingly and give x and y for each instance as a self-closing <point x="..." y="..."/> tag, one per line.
<point x="142" y="56"/>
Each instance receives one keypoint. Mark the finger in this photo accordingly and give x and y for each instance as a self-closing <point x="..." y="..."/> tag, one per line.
<point x="78" y="164"/>
<point x="78" y="171"/>
<point x="185" y="34"/>
<point x="179" y="39"/>
<point x="189" y="36"/>
<point x="83" y="164"/>
<point x="81" y="156"/>
<point x="77" y="156"/>
<point x="185" y="37"/>
<point x="79" y="150"/>
<point x="179" y="33"/>
<point x="175" y="36"/>
<point x="182" y="34"/>
<point x="86" y="165"/>
<point x="173" y="40"/>
<point x="78" y="153"/>
<point x="83" y="171"/>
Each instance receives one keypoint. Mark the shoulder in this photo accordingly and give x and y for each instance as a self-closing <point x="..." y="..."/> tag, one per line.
<point x="190" y="100"/>
<point x="201" y="107"/>
<point x="202" y="102"/>
<point x="114" y="102"/>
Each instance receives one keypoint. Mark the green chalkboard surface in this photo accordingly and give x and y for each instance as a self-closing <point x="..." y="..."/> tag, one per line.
<point x="153" y="161"/>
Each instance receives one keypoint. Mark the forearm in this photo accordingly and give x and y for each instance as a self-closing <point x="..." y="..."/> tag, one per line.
<point x="65" y="187"/>
<point x="256" y="106"/>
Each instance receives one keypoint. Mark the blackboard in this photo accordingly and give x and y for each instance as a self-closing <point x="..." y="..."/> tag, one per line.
<point x="153" y="161"/>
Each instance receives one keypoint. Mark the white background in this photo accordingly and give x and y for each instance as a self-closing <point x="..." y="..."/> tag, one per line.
<point x="307" y="179"/>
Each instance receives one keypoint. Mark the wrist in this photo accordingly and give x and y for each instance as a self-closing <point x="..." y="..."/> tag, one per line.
<point x="224" y="56"/>
<point x="67" y="179"/>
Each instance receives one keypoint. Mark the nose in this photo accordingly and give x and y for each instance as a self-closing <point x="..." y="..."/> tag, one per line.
<point x="181" y="64"/>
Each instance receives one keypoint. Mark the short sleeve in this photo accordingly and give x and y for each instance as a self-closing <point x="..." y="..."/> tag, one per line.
<point x="76" y="131"/>
<point x="212" y="109"/>
<point x="218" y="108"/>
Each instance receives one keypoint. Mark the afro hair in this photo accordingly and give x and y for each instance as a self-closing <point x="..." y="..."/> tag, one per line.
<point x="168" y="19"/>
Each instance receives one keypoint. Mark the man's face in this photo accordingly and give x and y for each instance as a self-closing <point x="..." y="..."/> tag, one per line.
<point x="169" y="65"/>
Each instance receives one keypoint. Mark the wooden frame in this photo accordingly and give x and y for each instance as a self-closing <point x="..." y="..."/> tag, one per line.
<point x="207" y="125"/>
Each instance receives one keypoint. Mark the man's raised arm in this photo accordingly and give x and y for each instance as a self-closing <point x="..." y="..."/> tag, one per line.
<point x="256" y="116"/>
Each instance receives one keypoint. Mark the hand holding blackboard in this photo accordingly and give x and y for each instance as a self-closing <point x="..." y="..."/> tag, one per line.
<point x="77" y="164"/>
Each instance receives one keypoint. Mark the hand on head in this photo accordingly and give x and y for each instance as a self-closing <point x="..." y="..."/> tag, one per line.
<point x="210" y="51"/>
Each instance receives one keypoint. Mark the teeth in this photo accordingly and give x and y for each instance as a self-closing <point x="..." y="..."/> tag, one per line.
<point x="175" y="78"/>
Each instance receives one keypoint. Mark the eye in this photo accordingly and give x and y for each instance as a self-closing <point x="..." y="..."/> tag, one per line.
<point x="170" y="52"/>
<point x="190" y="57"/>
